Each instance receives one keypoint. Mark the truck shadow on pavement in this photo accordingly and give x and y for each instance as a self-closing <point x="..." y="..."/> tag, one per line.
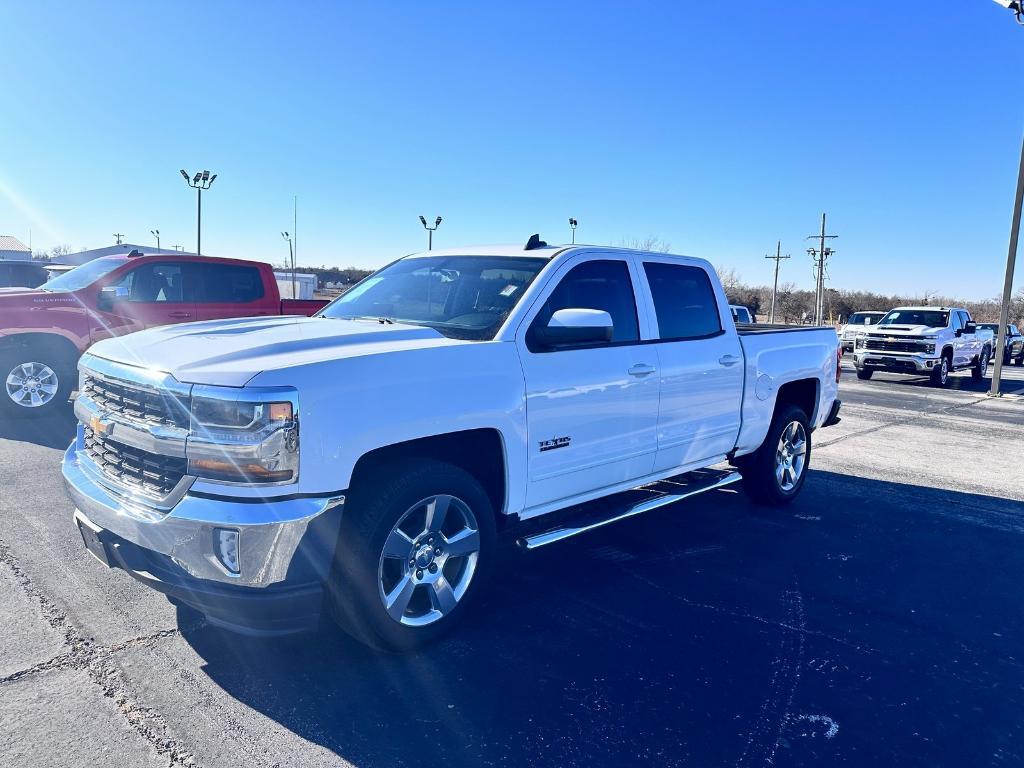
<point x="1009" y="384"/>
<point x="855" y="625"/>
<point x="54" y="430"/>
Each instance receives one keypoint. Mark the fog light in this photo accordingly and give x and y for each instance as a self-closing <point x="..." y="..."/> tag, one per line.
<point x="225" y="545"/>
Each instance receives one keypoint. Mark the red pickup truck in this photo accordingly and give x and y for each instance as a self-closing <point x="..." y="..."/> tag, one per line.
<point x="44" y="331"/>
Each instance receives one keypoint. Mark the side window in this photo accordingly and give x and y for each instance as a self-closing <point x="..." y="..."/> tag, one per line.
<point x="595" y="285"/>
<point x="684" y="301"/>
<point x="154" y="282"/>
<point x="964" y="319"/>
<point x="955" y="322"/>
<point x="226" y="283"/>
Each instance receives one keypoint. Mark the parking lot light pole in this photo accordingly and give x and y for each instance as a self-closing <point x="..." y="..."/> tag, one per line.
<point x="156" y="233"/>
<point x="430" y="231"/>
<point x="202" y="180"/>
<point x="572" y="226"/>
<point x="291" y="260"/>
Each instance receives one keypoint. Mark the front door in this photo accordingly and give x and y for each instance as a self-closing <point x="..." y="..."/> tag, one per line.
<point x="157" y="294"/>
<point x="591" y="412"/>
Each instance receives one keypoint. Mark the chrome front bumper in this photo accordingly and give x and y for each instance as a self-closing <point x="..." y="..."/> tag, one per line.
<point x="269" y="531"/>
<point x="894" y="361"/>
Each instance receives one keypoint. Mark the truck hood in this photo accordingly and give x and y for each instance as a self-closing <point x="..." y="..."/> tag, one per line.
<point x="904" y="330"/>
<point x="231" y="352"/>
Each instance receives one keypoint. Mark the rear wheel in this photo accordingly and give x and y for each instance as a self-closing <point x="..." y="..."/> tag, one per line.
<point x="940" y="373"/>
<point x="34" y="383"/>
<point x="864" y="374"/>
<point x="416" y="547"/>
<point x="980" y="368"/>
<point x="775" y="472"/>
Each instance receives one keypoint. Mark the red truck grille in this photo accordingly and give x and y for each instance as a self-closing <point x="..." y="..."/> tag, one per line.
<point x="142" y="405"/>
<point x="130" y="467"/>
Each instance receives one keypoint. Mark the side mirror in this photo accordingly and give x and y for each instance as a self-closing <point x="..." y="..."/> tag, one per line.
<point x="575" y="327"/>
<point x="970" y="328"/>
<point x="111" y="294"/>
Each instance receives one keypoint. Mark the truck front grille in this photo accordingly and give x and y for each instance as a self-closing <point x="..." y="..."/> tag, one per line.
<point x="150" y="474"/>
<point x="135" y="403"/>
<point x="894" y="346"/>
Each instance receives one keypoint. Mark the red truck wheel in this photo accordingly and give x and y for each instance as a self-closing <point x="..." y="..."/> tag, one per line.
<point x="34" y="384"/>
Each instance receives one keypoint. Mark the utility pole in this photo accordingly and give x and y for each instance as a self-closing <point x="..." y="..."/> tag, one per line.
<point x="820" y="257"/>
<point x="1011" y="256"/>
<point x="202" y="180"/>
<point x="118" y="236"/>
<point x="1011" y="260"/>
<point x="775" y="288"/>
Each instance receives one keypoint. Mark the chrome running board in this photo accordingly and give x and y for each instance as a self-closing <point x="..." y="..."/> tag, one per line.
<point x="662" y="493"/>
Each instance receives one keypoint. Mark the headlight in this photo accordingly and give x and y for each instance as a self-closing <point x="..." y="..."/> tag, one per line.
<point x="244" y="435"/>
<point x="858" y="342"/>
<point x="929" y="349"/>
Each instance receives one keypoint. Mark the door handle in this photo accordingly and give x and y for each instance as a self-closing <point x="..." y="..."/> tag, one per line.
<point x="179" y="315"/>
<point x="728" y="360"/>
<point x="641" y="369"/>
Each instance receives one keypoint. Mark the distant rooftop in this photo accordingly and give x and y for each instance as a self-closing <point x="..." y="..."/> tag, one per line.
<point x="11" y="246"/>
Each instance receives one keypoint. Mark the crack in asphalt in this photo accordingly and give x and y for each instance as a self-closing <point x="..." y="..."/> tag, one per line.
<point x="98" y="663"/>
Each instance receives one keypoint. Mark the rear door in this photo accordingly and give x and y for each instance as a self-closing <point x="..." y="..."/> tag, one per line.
<point x="591" y="411"/>
<point x="229" y="290"/>
<point x="700" y="363"/>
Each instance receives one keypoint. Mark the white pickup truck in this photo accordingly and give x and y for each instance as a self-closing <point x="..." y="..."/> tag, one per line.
<point x="933" y="341"/>
<point x="367" y="459"/>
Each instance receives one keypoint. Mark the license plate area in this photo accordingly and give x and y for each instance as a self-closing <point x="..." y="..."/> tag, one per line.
<point x="91" y="538"/>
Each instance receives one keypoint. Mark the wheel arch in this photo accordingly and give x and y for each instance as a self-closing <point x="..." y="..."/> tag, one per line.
<point x="803" y="393"/>
<point x="41" y="342"/>
<point x="478" y="451"/>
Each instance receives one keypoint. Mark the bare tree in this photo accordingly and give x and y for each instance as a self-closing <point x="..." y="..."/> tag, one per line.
<point x="649" y="243"/>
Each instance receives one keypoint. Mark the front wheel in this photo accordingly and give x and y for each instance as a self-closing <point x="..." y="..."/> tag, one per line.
<point x="416" y="546"/>
<point x="980" y="368"/>
<point x="34" y="383"/>
<point x="940" y="373"/>
<point x="864" y="374"/>
<point x="775" y="472"/>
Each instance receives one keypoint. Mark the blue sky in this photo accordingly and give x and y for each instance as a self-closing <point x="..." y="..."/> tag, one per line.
<point x="718" y="127"/>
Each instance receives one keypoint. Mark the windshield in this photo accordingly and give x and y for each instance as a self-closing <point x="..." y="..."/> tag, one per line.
<point x="933" y="318"/>
<point x="864" y="318"/>
<point x="79" y="277"/>
<point x="465" y="297"/>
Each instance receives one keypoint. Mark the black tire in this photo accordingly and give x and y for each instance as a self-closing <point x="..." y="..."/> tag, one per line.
<point x="357" y="585"/>
<point x="864" y="374"/>
<point x="940" y="373"/>
<point x="1020" y="360"/>
<point x="759" y="468"/>
<point x="980" y="368"/>
<point x="57" y="371"/>
<point x="1007" y="358"/>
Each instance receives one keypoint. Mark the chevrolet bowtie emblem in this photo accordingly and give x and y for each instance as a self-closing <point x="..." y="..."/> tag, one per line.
<point x="99" y="426"/>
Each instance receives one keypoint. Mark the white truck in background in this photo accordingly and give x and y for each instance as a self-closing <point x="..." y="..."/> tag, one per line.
<point x="930" y="341"/>
<point x="367" y="458"/>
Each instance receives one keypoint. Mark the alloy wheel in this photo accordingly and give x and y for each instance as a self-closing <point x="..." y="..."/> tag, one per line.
<point x="428" y="560"/>
<point x="32" y="385"/>
<point x="791" y="456"/>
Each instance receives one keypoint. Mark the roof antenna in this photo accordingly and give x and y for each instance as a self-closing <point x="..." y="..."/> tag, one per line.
<point x="534" y="242"/>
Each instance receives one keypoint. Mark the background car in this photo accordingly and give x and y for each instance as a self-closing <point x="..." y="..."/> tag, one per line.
<point x="741" y="314"/>
<point x="1013" y="350"/>
<point x="857" y="321"/>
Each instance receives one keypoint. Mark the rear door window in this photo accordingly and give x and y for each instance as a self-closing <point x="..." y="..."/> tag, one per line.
<point x="684" y="301"/>
<point x="226" y="283"/>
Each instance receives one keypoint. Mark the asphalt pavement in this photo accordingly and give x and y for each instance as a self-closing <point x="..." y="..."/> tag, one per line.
<point x="876" y="621"/>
